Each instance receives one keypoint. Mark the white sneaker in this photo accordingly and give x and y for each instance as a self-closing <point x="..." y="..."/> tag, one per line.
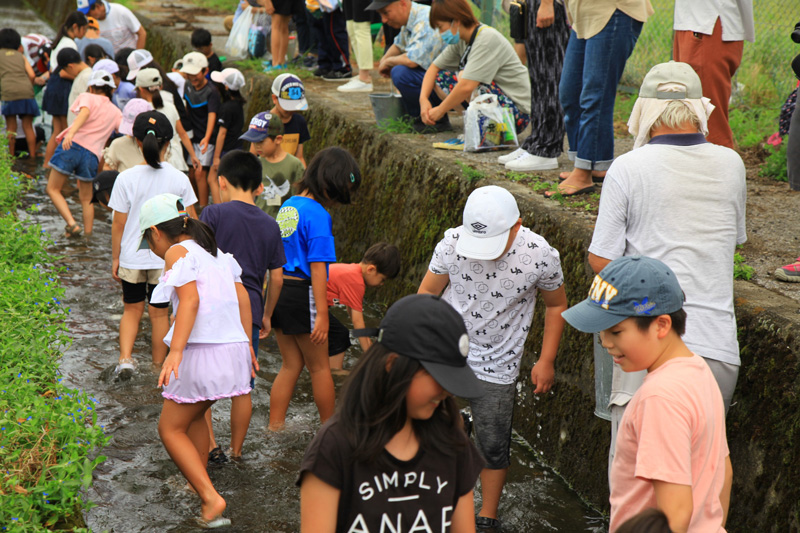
<point x="532" y="162"/>
<point x="503" y="159"/>
<point x="355" y="86"/>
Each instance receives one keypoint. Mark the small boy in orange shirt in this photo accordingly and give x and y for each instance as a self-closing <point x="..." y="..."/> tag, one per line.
<point x="671" y="452"/>
<point x="347" y="283"/>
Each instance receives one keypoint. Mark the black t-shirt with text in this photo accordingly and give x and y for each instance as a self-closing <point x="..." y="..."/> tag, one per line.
<point x="198" y="105"/>
<point x="295" y="132"/>
<point x="392" y="495"/>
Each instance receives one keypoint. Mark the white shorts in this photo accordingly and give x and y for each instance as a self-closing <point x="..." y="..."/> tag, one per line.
<point x="205" y="158"/>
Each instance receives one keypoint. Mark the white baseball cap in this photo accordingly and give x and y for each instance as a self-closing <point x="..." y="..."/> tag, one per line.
<point x="230" y="77"/>
<point x="149" y="77"/>
<point x="107" y="65"/>
<point x="489" y="215"/>
<point x="194" y="63"/>
<point x="100" y="78"/>
<point x="136" y="60"/>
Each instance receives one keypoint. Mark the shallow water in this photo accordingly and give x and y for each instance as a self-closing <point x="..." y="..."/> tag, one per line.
<point x="138" y="488"/>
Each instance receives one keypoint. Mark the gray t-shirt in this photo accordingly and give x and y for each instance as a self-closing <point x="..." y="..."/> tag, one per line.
<point x="681" y="200"/>
<point x="492" y="58"/>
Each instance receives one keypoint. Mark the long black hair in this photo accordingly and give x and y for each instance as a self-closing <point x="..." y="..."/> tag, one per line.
<point x="151" y="149"/>
<point x="228" y="94"/>
<point x="184" y="225"/>
<point x="372" y="408"/>
<point x="76" y="17"/>
<point x="333" y="174"/>
<point x="158" y="100"/>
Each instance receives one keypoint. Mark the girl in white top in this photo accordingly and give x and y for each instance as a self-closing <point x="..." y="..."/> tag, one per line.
<point x="210" y="353"/>
<point x="74" y="27"/>
<point x="148" y="87"/>
<point x="138" y="270"/>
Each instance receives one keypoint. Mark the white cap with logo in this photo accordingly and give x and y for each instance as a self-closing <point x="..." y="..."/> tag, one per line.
<point x="489" y="215"/>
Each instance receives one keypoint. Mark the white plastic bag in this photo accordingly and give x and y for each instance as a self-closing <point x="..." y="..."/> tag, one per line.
<point x="488" y="125"/>
<point x="329" y="6"/>
<point x="258" y="37"/>
<point x="236" y="45"/>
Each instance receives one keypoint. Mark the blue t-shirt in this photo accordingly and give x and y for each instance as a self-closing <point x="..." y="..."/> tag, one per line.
<point x="254" y="240"/>
<point x="306" y="229"/>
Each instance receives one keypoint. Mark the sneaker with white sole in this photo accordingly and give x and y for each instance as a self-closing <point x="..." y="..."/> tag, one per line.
<point x="355" y="86"/>
<point x="125" y="369"/>
<point x="519" y="152"/>
<point x="532" y="162"/>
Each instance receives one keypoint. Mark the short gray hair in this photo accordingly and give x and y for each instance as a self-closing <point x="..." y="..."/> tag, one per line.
<point x="677" y="115"/>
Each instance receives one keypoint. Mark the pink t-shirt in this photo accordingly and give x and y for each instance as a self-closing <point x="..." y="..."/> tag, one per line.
<point x="104" y="118"/>
<point x="674" y="431"/>
<point x="346" y="285"/>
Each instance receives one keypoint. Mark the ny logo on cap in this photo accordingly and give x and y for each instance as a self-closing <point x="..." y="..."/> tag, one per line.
<point x="602" y="292"/>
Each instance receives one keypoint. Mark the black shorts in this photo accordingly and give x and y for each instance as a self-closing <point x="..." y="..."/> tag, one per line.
<point x="295" y="313"/>
<point x="338" y="336"/>
<point x="356" y="10"/>
<point x="288" y="8"/>
<point x="133" y="293"/>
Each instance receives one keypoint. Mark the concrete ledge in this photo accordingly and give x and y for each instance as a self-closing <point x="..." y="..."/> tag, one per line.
<point x="411" y="193"/>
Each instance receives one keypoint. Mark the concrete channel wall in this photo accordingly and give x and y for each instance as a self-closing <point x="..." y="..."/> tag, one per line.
<point x="410" y="194"/>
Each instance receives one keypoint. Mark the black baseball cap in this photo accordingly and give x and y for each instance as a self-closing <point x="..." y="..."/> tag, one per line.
<point x="152" y="122"/>
<point x="426" y="328"/>
<point x="103" y="183"/>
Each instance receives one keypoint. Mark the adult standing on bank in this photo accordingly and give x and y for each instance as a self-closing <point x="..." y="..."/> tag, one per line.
<point x="644" y="210"/>
<point x="710" y="37"/>
<point x="117" y="23"/>
<point x="414" y="49"/>
<point x="547" y="36"/>
<point x="604" y="33"/>
<point x="479" y="59"/>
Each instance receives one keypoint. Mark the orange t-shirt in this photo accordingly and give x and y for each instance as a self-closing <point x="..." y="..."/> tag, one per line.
<point x="673" y="430"/>
<point x="346" y="285"/>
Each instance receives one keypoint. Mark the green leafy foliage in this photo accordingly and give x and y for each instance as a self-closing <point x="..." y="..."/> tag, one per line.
<point x="48" y="431"/>
<point x="741" y="270"/>
<point x="775" y="164"/>
<point x="471" y="174"/>
<point x="396" y="125"/>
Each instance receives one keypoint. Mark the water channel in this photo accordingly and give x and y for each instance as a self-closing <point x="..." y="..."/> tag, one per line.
<point x="138" y="488"/>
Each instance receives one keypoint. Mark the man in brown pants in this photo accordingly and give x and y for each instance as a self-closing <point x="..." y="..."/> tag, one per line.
<point x="710" y="37"/>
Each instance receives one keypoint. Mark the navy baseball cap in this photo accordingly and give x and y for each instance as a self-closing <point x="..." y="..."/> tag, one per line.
<point x="627" y="287"/>
<point x="291" y="92"/>
<point x="262" y="125"/>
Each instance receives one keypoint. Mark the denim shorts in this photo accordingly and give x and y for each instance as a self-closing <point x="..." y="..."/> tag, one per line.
<point x="77" y="161"/>
<point x="492" y="415"/>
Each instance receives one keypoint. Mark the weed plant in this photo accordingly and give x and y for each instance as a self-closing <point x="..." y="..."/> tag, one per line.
<point x="472" y="175"/>
<point x="741" y="270"/>
<point x="48" y="432"/>
<point x="775" y="164"/>
<point x="396" y="125"/>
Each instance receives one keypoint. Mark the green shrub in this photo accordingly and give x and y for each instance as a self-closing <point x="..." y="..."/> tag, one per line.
<point x="741" y="270"/>
<point x="48" y="431"/>
<point x="775" y="164"/>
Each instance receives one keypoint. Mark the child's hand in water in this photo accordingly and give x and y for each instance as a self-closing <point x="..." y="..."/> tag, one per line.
<point x="542" y="376"/>
<point x="171" y="364"/>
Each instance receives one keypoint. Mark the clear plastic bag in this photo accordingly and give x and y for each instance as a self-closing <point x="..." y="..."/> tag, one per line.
<point x="488" y="125"/>
<point x="236" y="46"/>
<point x="258" y="36"/>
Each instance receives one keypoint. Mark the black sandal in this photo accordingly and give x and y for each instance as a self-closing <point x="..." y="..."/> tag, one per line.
<point x="73" y="230"/>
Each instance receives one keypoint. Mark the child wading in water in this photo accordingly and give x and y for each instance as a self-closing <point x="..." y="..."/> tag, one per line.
<point x="96" y="118"/>
<point x="210" y="353"/>
<point x="396" y="452"/>
<point x="16" y="82"/>
<point x="300" y="319"/>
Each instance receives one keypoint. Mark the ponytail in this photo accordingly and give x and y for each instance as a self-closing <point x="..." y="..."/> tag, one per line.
<point x="183" y="225"/>
<point x="76" y="17"/>
<point x="158" y="101"/>
<point x="151" y="148"/>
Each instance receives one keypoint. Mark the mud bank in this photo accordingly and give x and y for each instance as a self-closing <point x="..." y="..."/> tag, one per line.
<point x="411" y="193"/>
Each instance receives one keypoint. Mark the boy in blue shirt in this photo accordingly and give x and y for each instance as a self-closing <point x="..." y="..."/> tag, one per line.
<point x="254" y="239"/>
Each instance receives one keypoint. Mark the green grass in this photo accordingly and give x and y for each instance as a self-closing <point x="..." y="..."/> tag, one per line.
<point x="471" y="174"/>
<point x="49" y="434"/>
<point x="396" y="125"/>
<point x="775" y="164"/>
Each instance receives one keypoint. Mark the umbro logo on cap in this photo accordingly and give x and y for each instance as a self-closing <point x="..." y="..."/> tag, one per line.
<point x="478" y="227"/>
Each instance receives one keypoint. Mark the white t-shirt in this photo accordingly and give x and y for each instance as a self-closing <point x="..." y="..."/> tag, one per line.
<point x="119" y="27"/>
<point x="79" y="86"/>
<point x="736" y="18"/>
<point x="217" y="320"/>
<point x="178" y="80"/>
<point x="131" y="190"/>
<point x="684" y="205"/>
<point x="65" y="42"/>
<point x="496" y="298"/>
<point x="175" y="153"/>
